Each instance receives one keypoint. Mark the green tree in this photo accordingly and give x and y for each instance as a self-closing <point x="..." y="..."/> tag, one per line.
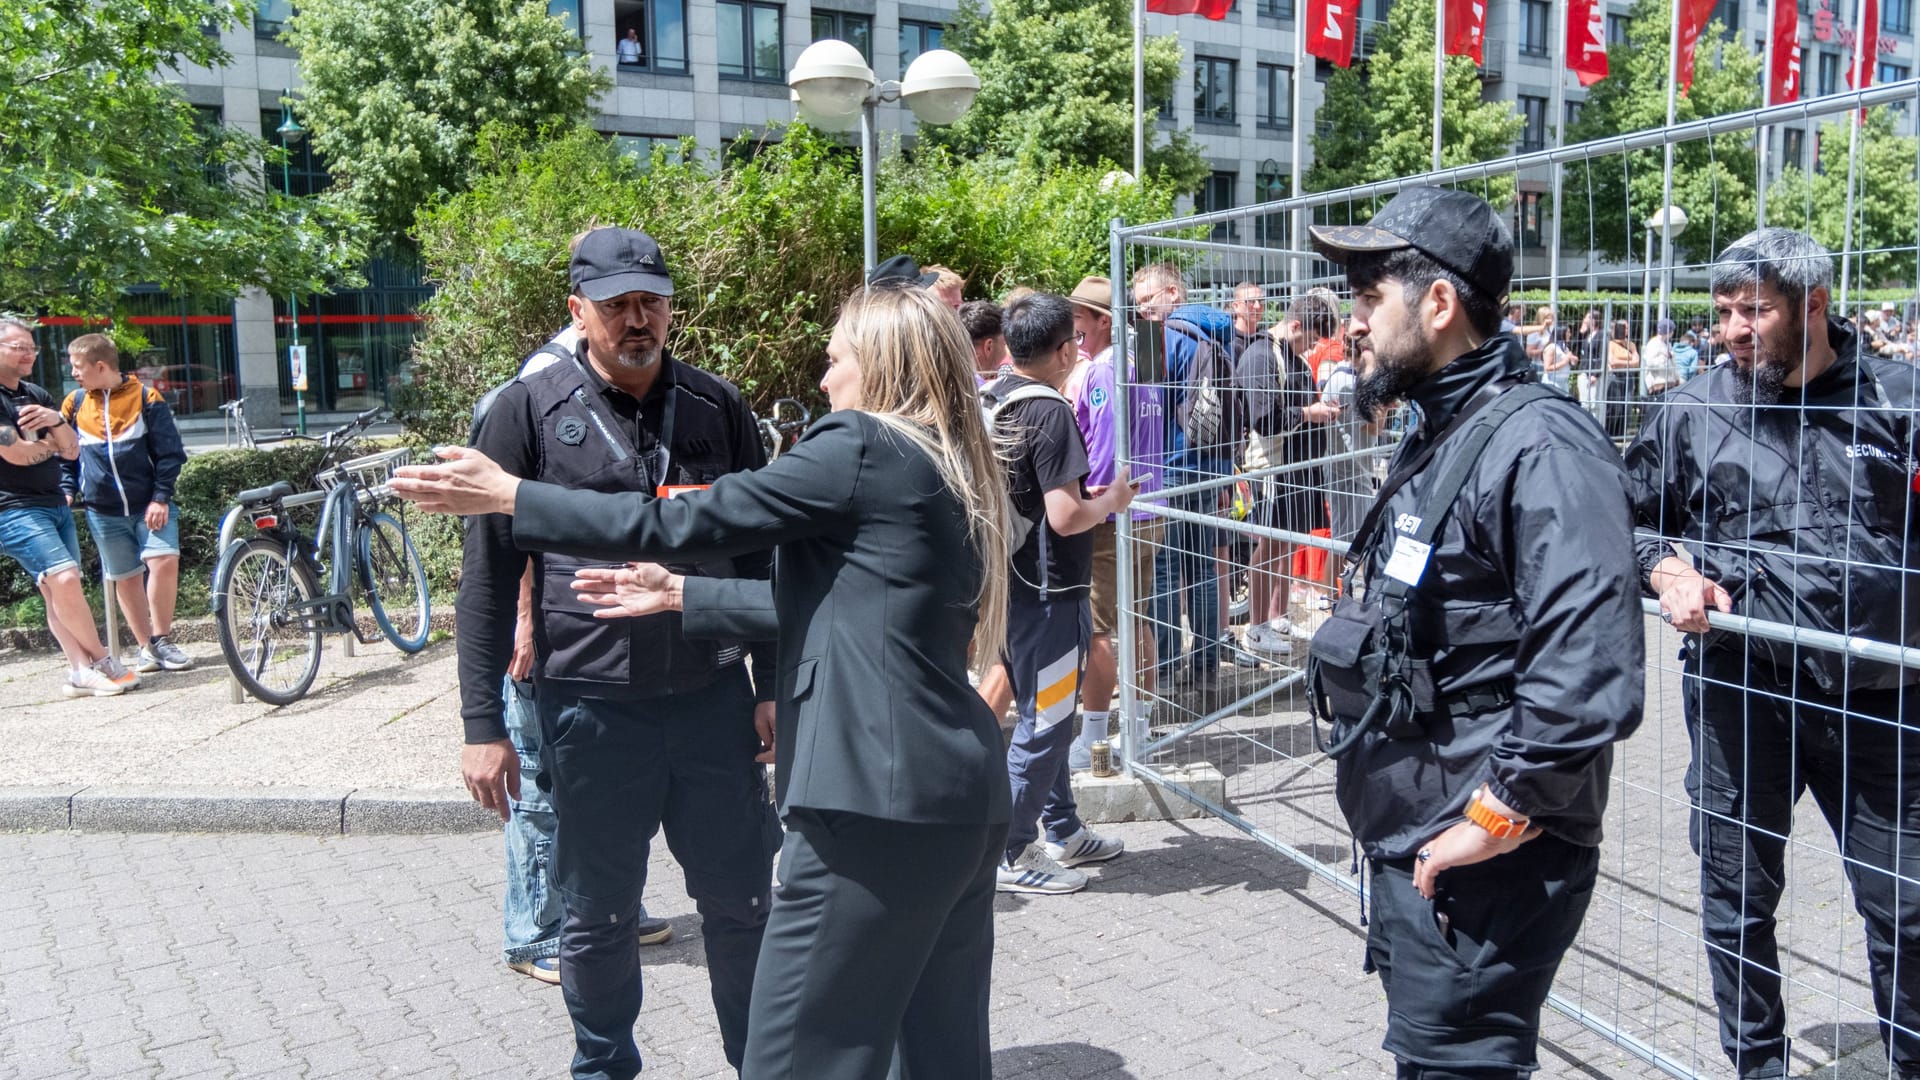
<point x="108" y="179"/>
<point x="398" y="90"/>
<point x="1056" y="88"/>
<point x="1609" y="200"/>
<point x="1886" y="204"/>
<point x="1378" y="115"/>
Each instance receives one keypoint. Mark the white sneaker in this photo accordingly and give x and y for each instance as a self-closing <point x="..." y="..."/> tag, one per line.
<point x="1269" y="639"/>
<point x="163" y="655"/>
<point x="94" y="681"/>
<point x="1085" y="846"/>
<point x="1035" y="872"/>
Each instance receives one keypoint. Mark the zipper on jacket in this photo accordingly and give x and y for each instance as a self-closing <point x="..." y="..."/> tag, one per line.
<point x="113" y="466"/>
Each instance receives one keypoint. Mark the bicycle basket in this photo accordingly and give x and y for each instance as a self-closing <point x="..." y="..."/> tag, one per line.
<point x="371" y="472"/>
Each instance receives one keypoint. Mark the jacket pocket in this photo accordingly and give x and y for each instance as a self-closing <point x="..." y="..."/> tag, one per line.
<point x="580" y="647"/>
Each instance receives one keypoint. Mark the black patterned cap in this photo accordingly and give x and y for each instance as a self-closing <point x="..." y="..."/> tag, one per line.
<point x="1457" y="230"/>
<point x="900" y="272"/>
<point x="615" y="262"/>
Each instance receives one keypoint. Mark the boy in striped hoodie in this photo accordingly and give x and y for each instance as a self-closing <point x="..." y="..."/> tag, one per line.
<point x="130" y="457"/>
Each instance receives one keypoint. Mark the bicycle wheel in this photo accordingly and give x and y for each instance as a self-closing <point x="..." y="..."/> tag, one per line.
<point x="395" y="581"/>
<point x="264" y="645"/>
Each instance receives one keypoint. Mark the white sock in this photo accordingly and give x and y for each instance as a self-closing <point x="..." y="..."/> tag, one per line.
<point x="1093" y="728"/>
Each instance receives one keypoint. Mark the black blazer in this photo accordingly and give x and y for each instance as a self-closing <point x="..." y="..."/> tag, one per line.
<point x="874" y="588"/>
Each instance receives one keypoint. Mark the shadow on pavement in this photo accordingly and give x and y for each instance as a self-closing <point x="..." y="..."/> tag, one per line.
<point x="1193" y="863"/>
<point x="1060" y="1059"/>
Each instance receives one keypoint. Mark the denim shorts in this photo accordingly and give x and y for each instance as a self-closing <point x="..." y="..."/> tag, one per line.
<point x="125" y="541"/>
<point x="40" y="538"/>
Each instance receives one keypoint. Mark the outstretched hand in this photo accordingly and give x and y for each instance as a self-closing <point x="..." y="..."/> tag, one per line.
<point x="630" y="591"/>
<point x="467" y="482"/>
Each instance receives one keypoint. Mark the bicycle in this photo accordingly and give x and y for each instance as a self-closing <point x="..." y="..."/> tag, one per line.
<point x="233" y="425"/>
<point x="780" y="435"/>
<point x="268" y="606"/>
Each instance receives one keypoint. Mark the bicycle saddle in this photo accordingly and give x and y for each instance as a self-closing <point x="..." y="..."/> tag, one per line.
<point x="272" y="493"/>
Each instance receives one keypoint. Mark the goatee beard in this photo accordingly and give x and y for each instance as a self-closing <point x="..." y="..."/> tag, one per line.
<point x="1763" y="384"/>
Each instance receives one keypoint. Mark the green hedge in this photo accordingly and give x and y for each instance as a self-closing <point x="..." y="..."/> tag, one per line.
<point x="206" y="489"/>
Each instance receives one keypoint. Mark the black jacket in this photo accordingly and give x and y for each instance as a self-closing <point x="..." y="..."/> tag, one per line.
<point x="538" y="428"/>
<point x="1530" y="585"/>
<point x="1274" y="385"/>
<point x="874" y="587"/>
<point x="1804" y="511"/>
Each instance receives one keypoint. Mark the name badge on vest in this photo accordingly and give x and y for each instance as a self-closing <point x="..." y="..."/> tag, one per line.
<point x="1409" y="559"/>
<point x="669" y="491"/>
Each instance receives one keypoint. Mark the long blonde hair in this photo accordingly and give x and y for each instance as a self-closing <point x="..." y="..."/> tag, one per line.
<point x="916" y="376"/>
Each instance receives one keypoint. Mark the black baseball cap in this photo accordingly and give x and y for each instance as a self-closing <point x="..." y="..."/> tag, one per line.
<point x="1457" y="230"/>
<point x="614" y="262"/>
<point x="900" y="270"/>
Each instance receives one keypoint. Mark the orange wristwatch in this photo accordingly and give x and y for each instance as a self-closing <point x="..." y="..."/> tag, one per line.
<point x="1502" y="828"/>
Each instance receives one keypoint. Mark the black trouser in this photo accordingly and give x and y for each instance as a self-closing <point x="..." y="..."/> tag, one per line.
<point x="1759" y="740"/>
<point x="1464" y="995"/>
<point x="881" y="938"/>
<point x="619" y="771"/>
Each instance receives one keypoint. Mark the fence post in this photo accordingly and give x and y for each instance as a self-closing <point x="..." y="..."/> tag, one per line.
<point x="1124" y="383"/>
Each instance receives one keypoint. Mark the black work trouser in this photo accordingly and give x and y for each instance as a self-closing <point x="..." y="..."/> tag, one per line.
<point x="620" y="771"/>
<point x="1467" y="972"/>
<point x="880" y="941"/>
<point x="1759" y="740"/>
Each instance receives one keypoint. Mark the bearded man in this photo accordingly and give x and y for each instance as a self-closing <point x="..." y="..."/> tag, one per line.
<point x="1780" y="484"/>
<point x="1503" y="583"/>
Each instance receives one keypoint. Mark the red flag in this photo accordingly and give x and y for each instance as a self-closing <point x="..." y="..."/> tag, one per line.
<point x="1466" y="28"/>
<point x="1212" y="9"/>
<point x="1587" y="40"/>
<point x="1867" y="49"/>
<point x="1330" y="29"/>
<point x="1693" y="19"/>
<point x="1784" y="85"/>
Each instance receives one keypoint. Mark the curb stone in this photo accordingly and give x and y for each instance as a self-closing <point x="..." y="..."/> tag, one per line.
<point x="308" y="811"/>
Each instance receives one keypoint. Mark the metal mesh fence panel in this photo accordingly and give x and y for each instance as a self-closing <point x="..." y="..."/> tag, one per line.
<point x="1230" y="562"/>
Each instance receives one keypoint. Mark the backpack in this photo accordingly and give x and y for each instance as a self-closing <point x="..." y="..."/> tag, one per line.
<point x="991" y="408"/>
<point x="1202" y="409"/>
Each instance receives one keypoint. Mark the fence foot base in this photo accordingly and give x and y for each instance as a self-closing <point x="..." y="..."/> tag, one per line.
<point x="1104" y="799"/>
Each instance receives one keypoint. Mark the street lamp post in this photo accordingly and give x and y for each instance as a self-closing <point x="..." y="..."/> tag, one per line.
<point x="1671" y="221"/>
<point x="291" y="133"/>
<point x="833" y="87"/>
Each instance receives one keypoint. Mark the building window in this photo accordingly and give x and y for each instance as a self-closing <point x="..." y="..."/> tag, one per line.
<point x="1212" y="90"/>
<point x="651" y="35"/>
<point x="1535" y="16"/>
<point x="206" y="124"/>
<point x="1277" y="9"/>
<point x="270" y="17"/>
<point x="639" y="148"/>
<point x="855" y="30"/>
<point x="569" y="13"/>
<point x="1616" y="30"/>
<point x="1270" y="230"/>
<point x="1276" y="97"/>
<point x="1573" y="113"/>
<point x="1533" y="134"/>
<point x="1217" y="194"/>
<point x="305" y="172"/>
<point x="750" y="41"/>
<point x="359" y="341"/>
<point x="1529" y="212"/>
<point x="916" y="38"/>
<point x="1728" y="12"/>
<point x="1896" y="16"/>
<point x="1893" y="73"/>
<point x="1793" y="147"/>
<point x="1827" y="76"/>
<point x="1381" y="9"/>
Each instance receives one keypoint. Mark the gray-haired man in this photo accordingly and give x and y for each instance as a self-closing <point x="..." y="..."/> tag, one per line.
<point x="1786" y="477"/>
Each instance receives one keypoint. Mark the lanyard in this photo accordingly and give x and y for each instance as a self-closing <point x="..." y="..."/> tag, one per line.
<point x="616" y="436"/>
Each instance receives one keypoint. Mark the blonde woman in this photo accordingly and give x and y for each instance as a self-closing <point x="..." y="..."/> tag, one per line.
<point x="888" y="524"/>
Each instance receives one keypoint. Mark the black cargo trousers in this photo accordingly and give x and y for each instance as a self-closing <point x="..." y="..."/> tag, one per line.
<point x="1760" y="739"/>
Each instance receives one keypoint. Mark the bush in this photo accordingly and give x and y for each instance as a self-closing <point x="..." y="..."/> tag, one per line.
<point x="762" y="250"/>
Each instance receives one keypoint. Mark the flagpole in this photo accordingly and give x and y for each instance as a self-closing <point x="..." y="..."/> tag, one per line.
<point x="1559" y="120"/>
<point x="1666" y="181"/>
<point x="1139" y="90"/>
<point x="1299" y="133"/>
<point x="1439" y="71"/>
<point x="1853" y="150"/>
<point x="1765" y="132"/>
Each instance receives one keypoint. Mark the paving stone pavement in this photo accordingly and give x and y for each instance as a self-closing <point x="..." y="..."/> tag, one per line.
<point x="1197" y="954"/>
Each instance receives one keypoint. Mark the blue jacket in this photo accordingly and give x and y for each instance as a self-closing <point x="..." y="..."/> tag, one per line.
<point x="1217" y="325"/>
<point x="130" y="451"/>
